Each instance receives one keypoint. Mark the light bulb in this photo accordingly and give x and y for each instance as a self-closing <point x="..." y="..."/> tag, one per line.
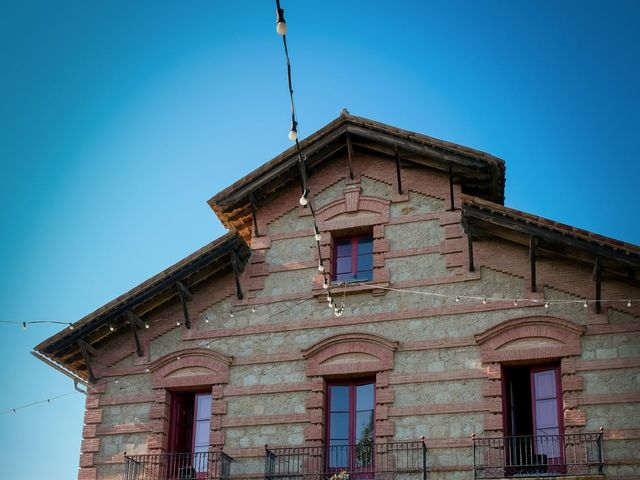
<point x="325" y="285"/>
<point x="178" y="323"/>
<point x="515" y="302"/>
<point x="111" y="327"/>
<point x="24" y="325"/>
<point x="206" y="320"/>
<point x="70" y="326"/>
<point x="231" y="314"/>
<point x="317" y="236"/>
<point x="629" y="304"/>
<point x="303" y="199"/>
<point x="328" y="298"/>
<point x="457" y="299"/>
<point x="546" y="304"/>
<point x="484" y="301"/>
<point x="281" y="25"/>
<point x="330" y="304"/>
<point x="293" y="133"/>
<point x="146" y="325"/>
<point x="320" y="267"/>
<point x="585" y="304"/>
<point x="253" y="309"/>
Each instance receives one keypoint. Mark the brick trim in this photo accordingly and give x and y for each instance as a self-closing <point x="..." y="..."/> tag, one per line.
<point x="561" y="338"/>
<point x="216" y="364"/>
<point x="376" y="355"/>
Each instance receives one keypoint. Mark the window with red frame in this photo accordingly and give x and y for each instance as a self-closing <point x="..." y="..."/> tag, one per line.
<point x="189" y="426"/>
<point x="533" y="418"/>
<point x="353" y="259"/>
<point x="350" y="410"/>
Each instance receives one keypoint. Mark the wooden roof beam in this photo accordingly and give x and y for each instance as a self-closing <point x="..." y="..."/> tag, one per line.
<point x="135" y="323"/>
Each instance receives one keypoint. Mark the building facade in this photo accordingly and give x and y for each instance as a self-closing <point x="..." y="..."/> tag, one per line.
<point x="463" y="339"/>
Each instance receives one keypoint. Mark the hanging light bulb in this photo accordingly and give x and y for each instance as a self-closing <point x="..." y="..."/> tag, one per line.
<point x="515" y="302"/>
<point x="231" y="314"/>
<point x="585" y="304"/>
<point x="70" y="326"/>
<point x="546" y="304"/>
<point x="253" y="309"/>
<point x="330" y="303"/>
<point x="111" y="327"/>
<point x="317" y="235"/>
<point x="457" y="299"/>
<point x="178" y="323"/>
<point x="304" y="200"/>
<point x="629" y="304"/>
<point x="281" y="25"/>
<point x="24" y="325"/>
<point x="484" y="301"/>
<point x="325" y="285"/>
<point x="293" y="133"/>
<point x="146" y="325"/>
<point x="320" y="267"/>
<point x="206" y="319"/>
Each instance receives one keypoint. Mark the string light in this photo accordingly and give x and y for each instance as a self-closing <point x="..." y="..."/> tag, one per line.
<point x="230" y="314"/>
<point x="146" y="325"/>
<point x="70" y="326"/>
<point x="111" y="327"/>
<point x="585" y="304"/>
<point x="515" y="302"/>
<point x="317" y="235"/>
<point x="546" y="304"/>
<point x="24" y="325"/>
<point x="325" y="285"/>
<point x="320" y="267"/>
<point x="178" y="322"/>
<point x="457" y="299"/>
<point x="484" y="301"/>
<point x="304" y="200"/>
<point x="253" y="309"/>
<point x="629" y="304"/>
<point x="293" y="133"/>
<point x="281" y="25"/>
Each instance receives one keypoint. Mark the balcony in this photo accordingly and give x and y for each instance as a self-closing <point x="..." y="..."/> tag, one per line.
<point x="362" y="461"/>
<point x="542" y="455"/>
<point x="178" y="466"/>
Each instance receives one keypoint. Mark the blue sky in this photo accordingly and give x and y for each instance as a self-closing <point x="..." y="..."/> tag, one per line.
<point x="118" y="120"/>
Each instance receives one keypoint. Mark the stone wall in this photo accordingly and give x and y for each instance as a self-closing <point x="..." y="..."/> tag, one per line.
<point x="442" y="382"/>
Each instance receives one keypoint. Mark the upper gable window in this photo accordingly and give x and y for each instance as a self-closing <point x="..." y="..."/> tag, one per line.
<point x="354" y="259"/>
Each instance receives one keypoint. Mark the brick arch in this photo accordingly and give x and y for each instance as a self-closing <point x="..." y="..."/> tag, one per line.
<point x="350" y="353"/>
<point x="530" y="338"/>
<point x="199" y="367"/>
<point x="370" y="210"/>
<point x="525" y="339"/>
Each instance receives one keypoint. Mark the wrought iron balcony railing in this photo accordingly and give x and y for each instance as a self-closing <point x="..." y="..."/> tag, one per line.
<point x="570" y="454"/>
<point x="178" y="466"/>
<point x="366" y="460"/>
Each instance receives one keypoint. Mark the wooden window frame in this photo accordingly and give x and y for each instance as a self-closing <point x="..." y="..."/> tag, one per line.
<point x="354" y="258"/>
<point x="352" y="384"/>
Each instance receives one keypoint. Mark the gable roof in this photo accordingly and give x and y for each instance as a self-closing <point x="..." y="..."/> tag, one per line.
<point x="478" y="173"/>
<point x="483" y="218"/>
<point x="215" y="258"/>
